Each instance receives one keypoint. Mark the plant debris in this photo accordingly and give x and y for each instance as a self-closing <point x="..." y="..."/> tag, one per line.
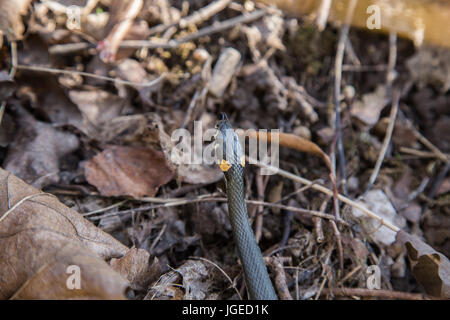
<point x="96" y="106"/>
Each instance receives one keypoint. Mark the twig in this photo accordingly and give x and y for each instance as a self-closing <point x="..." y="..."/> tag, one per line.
<point x="429" y="145"/>
<point x="164" y="44"/>
<point x="91" y="75"/>
<point x="2" y="111"/>
<point x="199" y="93"/>
<point x="420" y="153"/>
<point x="390" y="72"/>
<point x="354" y="68"/>
<point x="223" y="25"/>
<point x="68" y="48"/>
<point x="351" y="54"/>
<point x="190" y="108"/>
<point x="438" y="181"/>
<point x="24" y="200"/>
<point x="318" y="223"/>
<point x="385" y="294"/>
<point x="204" y="13"/>
<point x="419" y="136"/>
<point x="110" y="44"/>
<point x="215" y="28"/>
<point x="335" y="229"/>
<point x="280" y="278"/>
<point x="337" y="87"/>
<point x="261" y="185"/>
<point x="322" y="15"/>
<point x="118" y="204"/>
<point x="415" y="193"/>
<point x="326" y="191"/>
<point x="299" y="190"/>
<point x="207" y="198"/>
<point x="386" y="141"/>
<point x="12" y="72"/>
<point x="158" y="237"/>
<point x="324" y="270"/>
<point x="340" y="249"/>
<point x="349" y="275"/>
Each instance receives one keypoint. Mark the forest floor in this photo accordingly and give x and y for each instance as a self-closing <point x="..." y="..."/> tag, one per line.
<point x="89" y="118"/>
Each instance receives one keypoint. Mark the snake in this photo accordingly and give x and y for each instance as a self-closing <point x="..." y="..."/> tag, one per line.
<point x="231" y="160"/>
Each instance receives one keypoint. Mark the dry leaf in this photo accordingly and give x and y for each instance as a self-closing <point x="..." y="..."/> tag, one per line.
<point x="133" y="171"/>
<point x="377" y="201"/>
<point x="11" y="12"/>
<point x="430" y="65"/>
<point x="98" y="108"/>
<point x="430" y="268"/>
<point x="40" y="238"/>
<point x="35" y="152"/>
<point x="196" y="283"/>
<point x="368" y="110"/>
<point x="125" y="130"/>
<point x="135" y="266"/>
<point x="189" y="173"/>
<point x="45" y="94"/>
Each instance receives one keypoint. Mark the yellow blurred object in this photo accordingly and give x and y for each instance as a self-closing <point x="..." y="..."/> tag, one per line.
<point x="419" y="20"/>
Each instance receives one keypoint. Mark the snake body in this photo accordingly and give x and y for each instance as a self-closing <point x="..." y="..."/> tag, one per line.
<point x="256" y="277"/>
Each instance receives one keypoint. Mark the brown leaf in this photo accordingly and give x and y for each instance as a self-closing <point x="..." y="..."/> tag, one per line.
<point x="35" y="152"/>
<point x="98" y="108"/>
<point x="368" y="109"/>
<point x="45" y="94"/>
<point x="430" y="268"/>
<point x="40" y="238"/>
<point x="11" y="13"/>
<point x="135" y="266"/>
<point x="196" y="283"/>
<point x="133" y="171"/>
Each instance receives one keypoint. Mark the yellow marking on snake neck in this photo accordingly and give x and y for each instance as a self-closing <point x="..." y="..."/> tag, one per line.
<point x="224" y="165"/>
<point x="243" y="160"/>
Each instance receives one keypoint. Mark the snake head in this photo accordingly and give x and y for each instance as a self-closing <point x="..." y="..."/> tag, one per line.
<point x="227" y="145"/>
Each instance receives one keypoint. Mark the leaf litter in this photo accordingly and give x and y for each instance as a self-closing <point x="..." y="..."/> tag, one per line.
<point x="102" y="144"/>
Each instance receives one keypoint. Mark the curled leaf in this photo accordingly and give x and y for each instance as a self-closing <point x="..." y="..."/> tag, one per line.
<point x="430" y="268"/>
<point x="45" y="246"/>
